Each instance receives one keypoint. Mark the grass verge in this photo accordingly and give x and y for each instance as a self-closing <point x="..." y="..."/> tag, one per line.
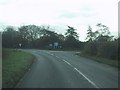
<point x="110" y="62"/>
<point x="14" y="65"/>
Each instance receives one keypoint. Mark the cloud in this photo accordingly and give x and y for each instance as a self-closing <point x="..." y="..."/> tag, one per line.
<point x="59" y="13"/>
<point x="69" y="15"/>
<point x="83" y="14"/>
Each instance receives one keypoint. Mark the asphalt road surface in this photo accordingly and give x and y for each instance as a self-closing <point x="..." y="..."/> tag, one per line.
<point x="64" y="69"/>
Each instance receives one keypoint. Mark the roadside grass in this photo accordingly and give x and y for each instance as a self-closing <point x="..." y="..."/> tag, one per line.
<point x="114" y="63"/>
<point x="14" y="65"/>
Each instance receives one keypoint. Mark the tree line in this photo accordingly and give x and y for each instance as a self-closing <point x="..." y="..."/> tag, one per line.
<point x="32" y="36"/>
<point x="99" y="43"/>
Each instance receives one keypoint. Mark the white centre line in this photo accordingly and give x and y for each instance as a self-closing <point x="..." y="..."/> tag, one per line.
<point x="57" y="57"/>
<point x="78" y="72"/>
<point x="86" y="78"/>
<point x="67" y="62"/>
<point x="51" y="54"/>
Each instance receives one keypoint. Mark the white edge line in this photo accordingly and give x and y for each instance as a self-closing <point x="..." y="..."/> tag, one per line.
<point x="86" y="78"/>
<point x="66" y="62"/>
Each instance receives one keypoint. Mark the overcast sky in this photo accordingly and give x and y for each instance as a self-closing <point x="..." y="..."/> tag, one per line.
<point x="60" y="13"/>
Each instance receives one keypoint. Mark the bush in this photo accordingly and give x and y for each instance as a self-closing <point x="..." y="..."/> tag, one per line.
<point x="107" y="49"/>
<point x="90" y="48"/>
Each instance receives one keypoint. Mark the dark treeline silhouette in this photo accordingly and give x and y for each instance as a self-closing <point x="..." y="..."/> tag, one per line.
<point x="41" y="37"/>
<point x="99" y="43"/>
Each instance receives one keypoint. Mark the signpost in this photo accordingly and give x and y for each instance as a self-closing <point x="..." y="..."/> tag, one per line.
<point x="55" y="44"/>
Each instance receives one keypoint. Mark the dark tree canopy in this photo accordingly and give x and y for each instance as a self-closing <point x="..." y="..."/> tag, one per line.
<point x="10" y="37"/>
<point x="70" y="32"/>
<point x="99" y="43"/>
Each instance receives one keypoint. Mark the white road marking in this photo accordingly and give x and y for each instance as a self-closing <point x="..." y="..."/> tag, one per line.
<point x="86" y="78"/>
<point x="57" y="57"/>
<point x="78" y="72"/>
<point x="67" y="62"/>
<point x="51" y="54"/>
<point x="48" y="52"/>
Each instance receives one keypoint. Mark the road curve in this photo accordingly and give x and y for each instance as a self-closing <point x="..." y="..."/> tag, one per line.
<point x="62" y="69"/>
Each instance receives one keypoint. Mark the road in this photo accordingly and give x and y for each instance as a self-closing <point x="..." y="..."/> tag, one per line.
<point x="64" y="69"/>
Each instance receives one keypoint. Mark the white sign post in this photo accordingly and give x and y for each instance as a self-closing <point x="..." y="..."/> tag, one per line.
<point x="55" y="44"/>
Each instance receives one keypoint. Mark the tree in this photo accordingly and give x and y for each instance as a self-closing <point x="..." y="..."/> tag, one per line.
<point x="71" y="40"/>
<point x="108" y="50"/>
<point x="23" y="36"/>
<point x="103" y="44"/>
<point x="104" y="39"/>
<point x="90" y="34"/>
<point x="10" y="37"/>
<point x="102" y="33"/>
<point x="71" y="33"/>
<point x="103" y="29"/>
<point x="29" y="33"/>
<point x="91" y="47"/>
<point x="47" y="37"/>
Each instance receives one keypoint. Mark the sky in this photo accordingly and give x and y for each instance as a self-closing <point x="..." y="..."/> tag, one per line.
<point x="60" y="13"/>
